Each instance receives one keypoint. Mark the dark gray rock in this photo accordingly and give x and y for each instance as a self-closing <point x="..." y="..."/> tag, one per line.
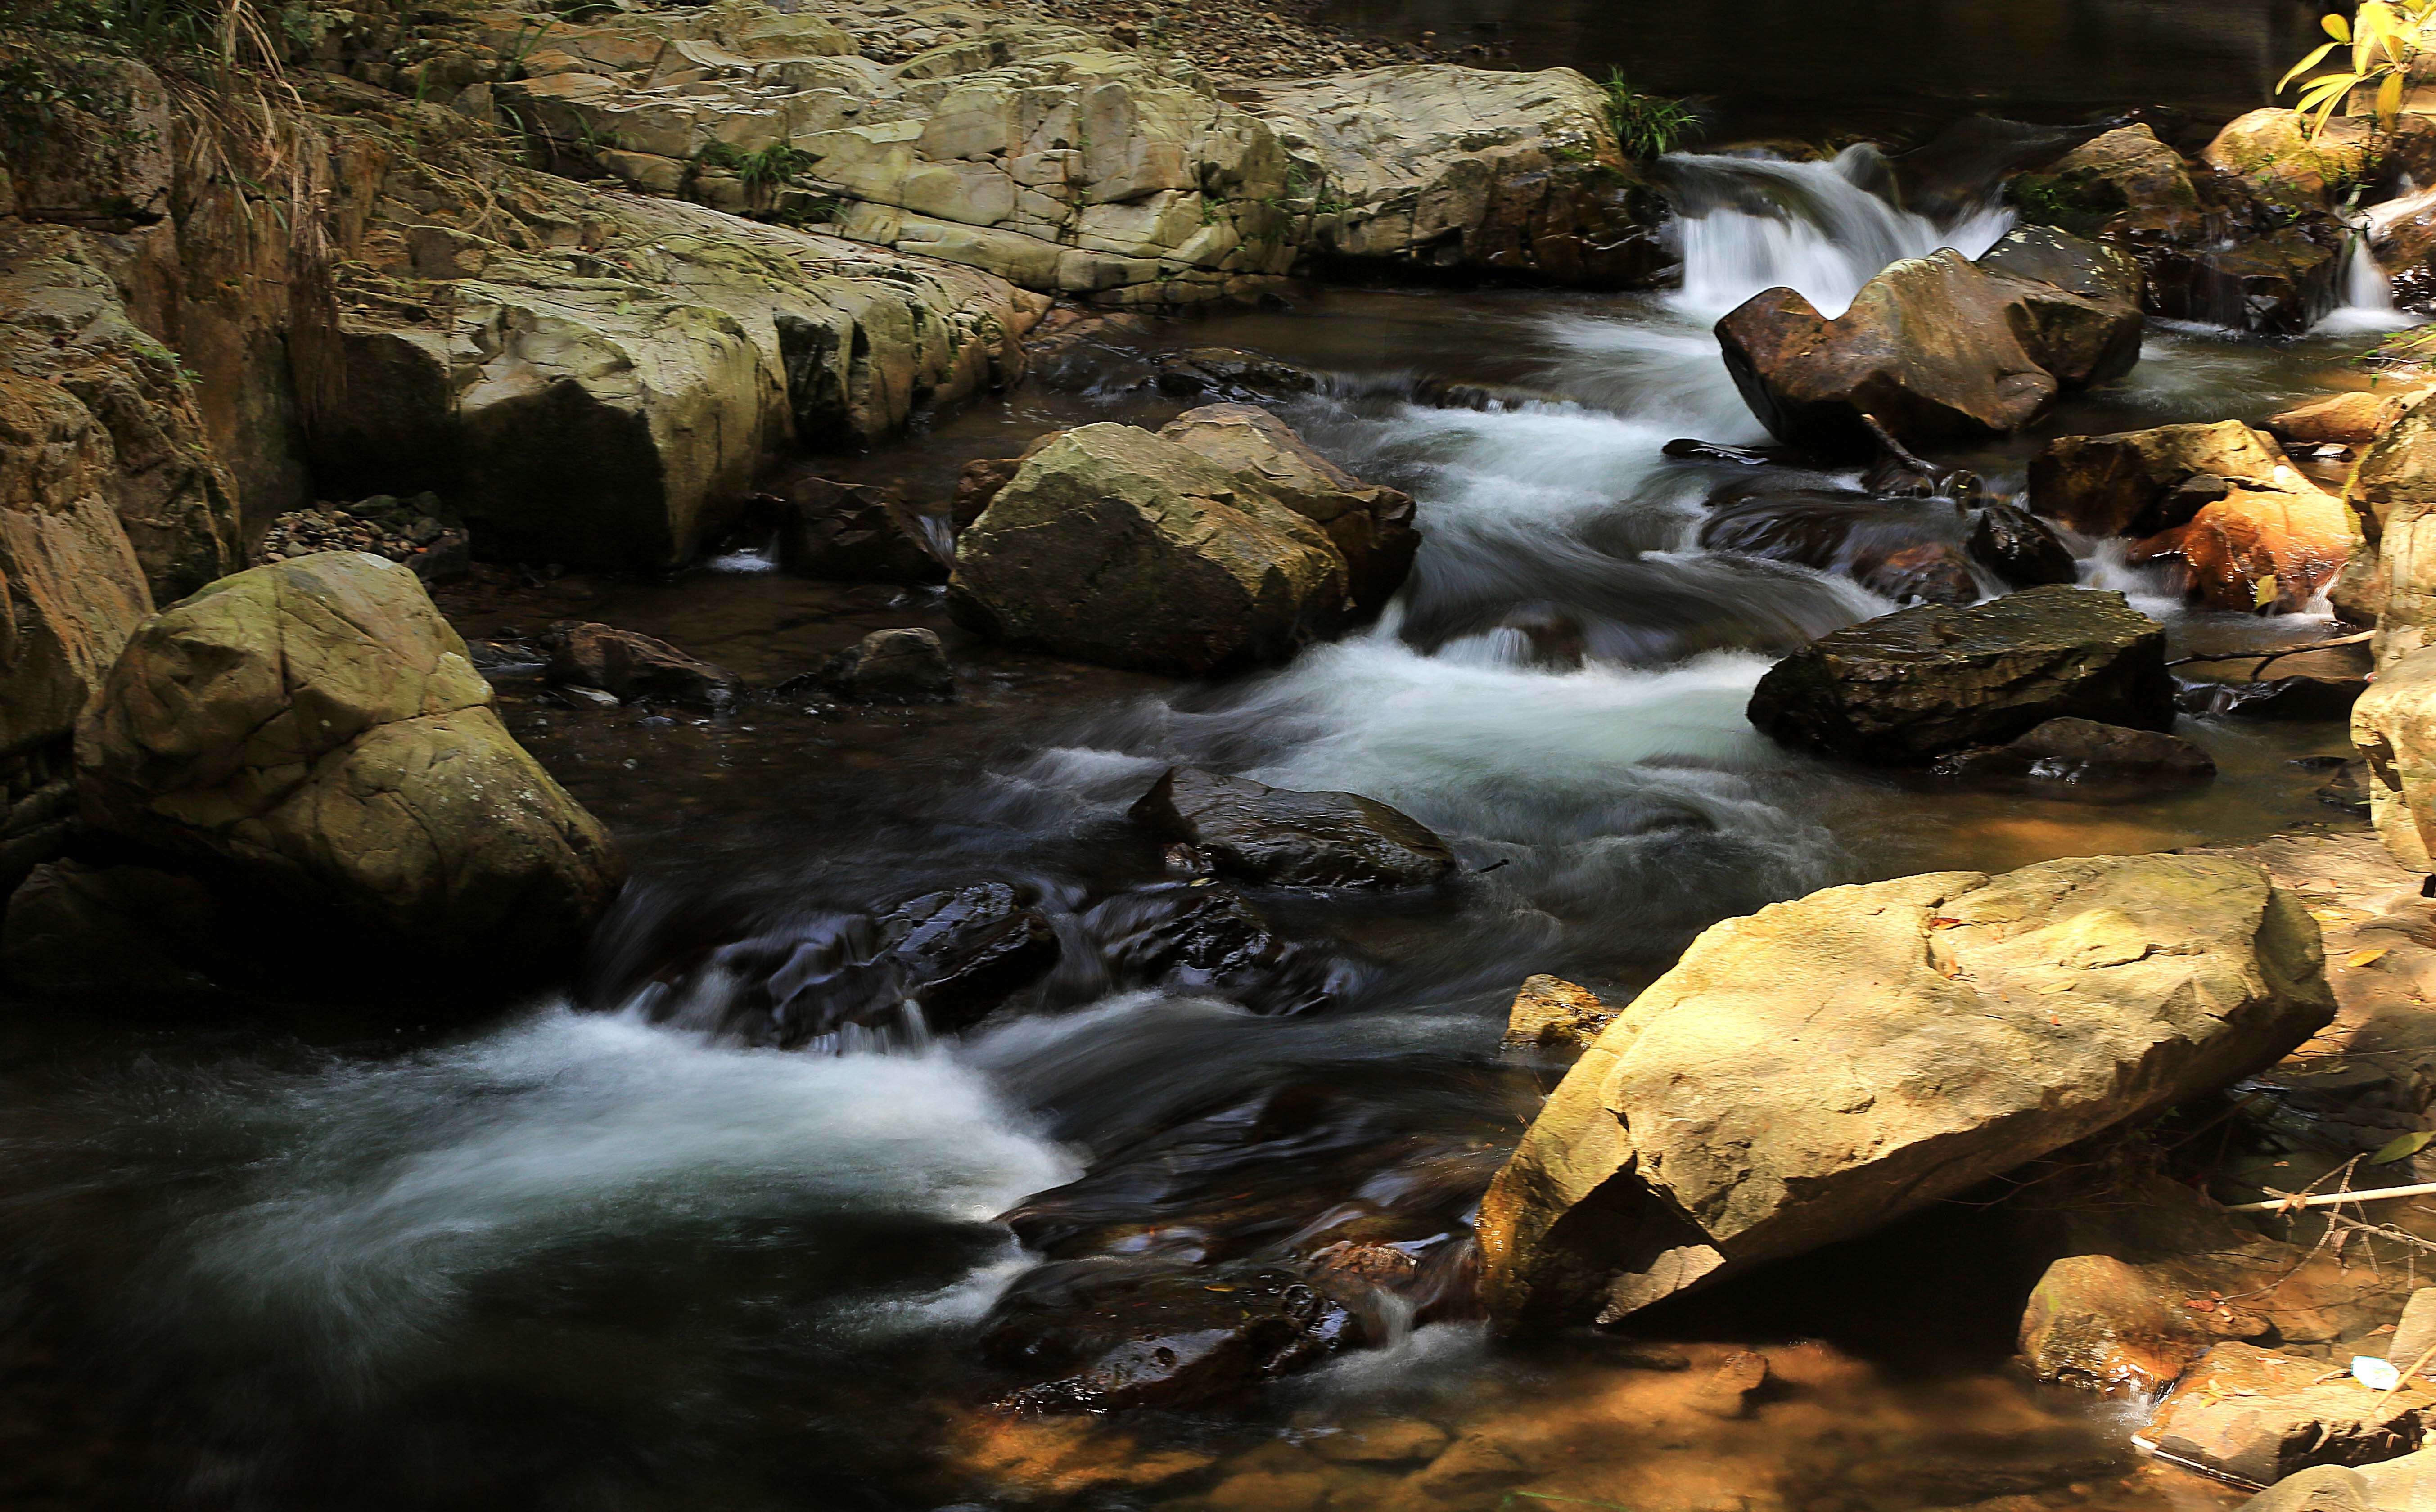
<point x="892" y="666"/>
<point x="857" y="533"/>
<point x="2102" y="759"/>
<point x="1909" y="687"/>
<point x="629" y="665"/>
<point x="2021" y="549"/>
<point x="1293" y="839"/>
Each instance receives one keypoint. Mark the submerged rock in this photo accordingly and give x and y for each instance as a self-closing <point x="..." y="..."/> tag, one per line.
<point x="855" y="532"/>
<point x="892" y="665"/>
<point x="1909" y="686"/>
<point x="1230" y="373"/>
<point x="1206" y="937"/>
<point x="1813" y="1071"/>
<point x="2257" y="1416"/>
<point x="633" y="666"/>
<point x="1938" y="348"/>
<point x="314" y="727"/>
<point x="1114" y="546"/>
<point x="1291" y="839"/>
<point x="2085" y="753"/>
<point x="1907" y="551"/>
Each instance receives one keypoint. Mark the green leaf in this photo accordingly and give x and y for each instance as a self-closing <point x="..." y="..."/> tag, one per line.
<point x="2326" y="88"/>
<point x="2314" y="59"/>
<point x="2338" y="28"/>
<point x="2409" y="1144"/>
<point x="2389" y="101"/>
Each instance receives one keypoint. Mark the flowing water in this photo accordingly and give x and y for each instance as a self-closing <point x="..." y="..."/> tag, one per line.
<point x="621" y="1251"/>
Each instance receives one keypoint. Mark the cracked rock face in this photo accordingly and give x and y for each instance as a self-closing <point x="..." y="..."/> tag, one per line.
<point x="1811" y="1072"/>
<point x="314" y="727"/>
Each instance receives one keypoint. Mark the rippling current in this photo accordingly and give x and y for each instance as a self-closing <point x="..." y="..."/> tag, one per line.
<point x="610" y="1254"/>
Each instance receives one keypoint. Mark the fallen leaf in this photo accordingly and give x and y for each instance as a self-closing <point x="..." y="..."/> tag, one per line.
<point x="1942" y="922"/>
<point x="2408" y="1145"/>
<point x="2366" y="957"/>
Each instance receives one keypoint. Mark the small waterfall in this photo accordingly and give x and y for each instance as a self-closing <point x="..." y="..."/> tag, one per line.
<point x="2367" y="297"/>
<point x="1824" y="229"/>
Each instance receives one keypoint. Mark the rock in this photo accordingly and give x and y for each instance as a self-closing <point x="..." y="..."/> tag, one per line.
<point x="1816" y="1070"/>
<point x="629" y="665"/>
<point x="977" y="484"/>
<point x="2123" y="177"/>
<point x="1906" y="551"/>
<point x="1483" y="170"/>
<point x="2021" y="549"/>
<point x="1290" y="839"/>
<point x="76" y="930"/>
<point x="2257" y="1416"/>
<point x="2319" y="1489"/>
<point x="1550" y="1010"/>
<point x="1937" y="348"/>
<point x="2351" y="419"/>
<point x="1726" y="1391"/>
<point x="313" y="727"/>
<point x="2273" y="549"/>
<point x="1113" y="1336"/>
<point x="1228" y="372"/>
<point x="953" y="955"/>
<point x="2280" y="283"/>
<point x="2278" y="156"/>
<point x="1117" y="547"/>
<point x="2148" y="1275"/>
<point x="855" y="532"/>
<point x="2404" y="1485"/>
<point x="1371" y="527"/>
<point x="1380" y="1441"/>
<point x="2085" y="753"/>
<point x="2414" y="1336"/>
<point x="2393" y="724"/>
<point x="892" y="666"/>
<point x="2134" y="482"/>
<point x="1473" y="1464"/>
<point x="2301" y="696"/>
<point x="1206" y="937"/>
<point x="2398" y="469"/>
<point x="1910" y="685"/>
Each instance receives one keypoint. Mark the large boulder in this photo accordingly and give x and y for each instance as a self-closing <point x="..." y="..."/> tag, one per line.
<point x="2253" y="1414"/>
<point x="2393" y="492"/>
<point x="1817" y="1069"/>
<point x="1371" y="526"/>
<point x="2125" y="177"/>
<point x="1480" y="169"/>
<point x="1909" y="687"/>
<point x="313" y="728"/>
<point x="2279" y="156"/>
<point x="1115" y="546"/>
<point x="1938" y="349"/>
<point x="1248" y="830"/>
<point x="2393" y="724"/>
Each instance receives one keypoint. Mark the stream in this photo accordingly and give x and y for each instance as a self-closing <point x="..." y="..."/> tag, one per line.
<point x="619" y="1250"/>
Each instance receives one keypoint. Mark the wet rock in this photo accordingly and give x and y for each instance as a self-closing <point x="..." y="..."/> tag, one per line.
<point x="1291" y="839"/>
<point x="2140" y="482"/>
<point x="2006" y="345"/>
<point x="1473" y="1464"/>
<point x="1371" y="525"/>
<point x="1550" y="1010"/>
<point x="314" y="727"/>
<point x="892" y="666"/>
<point x="2258" y="1416"/>
<point x="1101" y="1336"/>
<point x="2286" y="161"/>
<point x="1906" y="551"/>
<point x="2301" y="696"/>
<point x="1726" y="1391"/>
<point x="2280" y="283"/>
<point x="1688" y="449"/>
<point x="2351" y="419"/>
<point x="2019" y="548"/>
<point x="1909" y="686"/>
<point x="2275" y="548"/>
<point x="977" y="484"/>
<point x="1230" y="373"/>
<point x="2393" y="724"/>
<point x="629" y="665"/>
<point x="1206" y="937"/>
<point x="2083" y="753"/>
<point x="953" y="955"/>
<point x="1779" y="1089"/>
<point x="76" y="930"/>
<point x="2125" y="177"/>
<point x="1117" y="547"/>
<point x="855" y="532"/>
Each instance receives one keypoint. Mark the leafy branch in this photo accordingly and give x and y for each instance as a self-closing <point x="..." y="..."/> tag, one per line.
<point x="2385" y="41"/>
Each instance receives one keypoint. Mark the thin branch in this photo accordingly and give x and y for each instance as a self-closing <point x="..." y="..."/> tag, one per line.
<point x="2287" y="1202"/>
<point x="2274" y="655"/>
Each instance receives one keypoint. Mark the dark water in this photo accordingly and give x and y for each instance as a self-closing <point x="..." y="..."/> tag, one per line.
<point x="1785" y="67"/>
<point x="615" y="1251"/>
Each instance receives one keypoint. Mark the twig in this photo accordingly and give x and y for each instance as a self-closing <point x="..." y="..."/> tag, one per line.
<point x="2286" y="1201"/>
<point x="2268" y="656"/>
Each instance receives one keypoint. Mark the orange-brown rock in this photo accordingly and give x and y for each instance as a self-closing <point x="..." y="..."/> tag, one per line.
<point x="2260" y="548"/>
<point x="2257" y="1416"/>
